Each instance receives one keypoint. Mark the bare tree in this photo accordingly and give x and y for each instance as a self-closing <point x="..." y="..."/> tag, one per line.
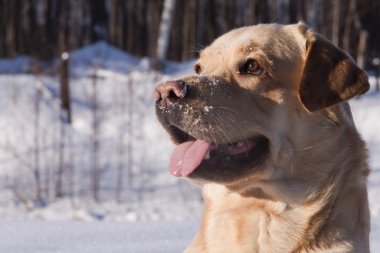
<point x="116" y="24"/>
<point x="10" y="27"/>
<point x="360" y="58"/>
<point x="335" y="22"/>
<point x="348" y="25"/>
<point x="134" y="25"/>
<point x="164" y="32"/>
<point x="250" y="16"/>
<point x="153" y="19"/>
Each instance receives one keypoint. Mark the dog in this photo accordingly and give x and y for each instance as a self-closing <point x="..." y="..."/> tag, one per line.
<point x="264" y="128"/>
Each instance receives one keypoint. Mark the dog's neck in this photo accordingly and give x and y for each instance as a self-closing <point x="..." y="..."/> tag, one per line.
<point x="238" y="223"/>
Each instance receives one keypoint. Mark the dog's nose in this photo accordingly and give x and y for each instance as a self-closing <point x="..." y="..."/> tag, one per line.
<point x="170" y="91"/>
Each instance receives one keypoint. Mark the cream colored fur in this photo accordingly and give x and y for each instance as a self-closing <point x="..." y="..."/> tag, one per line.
<point x="312" y="195"/>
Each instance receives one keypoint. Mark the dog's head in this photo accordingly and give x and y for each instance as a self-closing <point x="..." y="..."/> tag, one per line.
<point x="260" y="93"/>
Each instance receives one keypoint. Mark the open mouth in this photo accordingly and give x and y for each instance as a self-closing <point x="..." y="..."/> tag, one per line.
<point x="197" y="158"/>
<point x="209" y="148"/>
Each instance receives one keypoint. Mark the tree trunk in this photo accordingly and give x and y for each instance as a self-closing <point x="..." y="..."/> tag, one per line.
<point x="348" y="25"/>
<point x="360" y="59"/>
<point x="335" y="22"/>
<point x="10" y="27"/>
<point x="164" y="33"/>
<point x="153" y="21"/>
<point x="250" y="16"/>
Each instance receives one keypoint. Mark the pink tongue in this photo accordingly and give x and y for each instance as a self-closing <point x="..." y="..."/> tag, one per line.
<point x="187" y="157"/>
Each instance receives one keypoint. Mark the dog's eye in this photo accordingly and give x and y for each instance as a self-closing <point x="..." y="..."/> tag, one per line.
<point x="197" y="68"/>
<point x="251" y="67"/>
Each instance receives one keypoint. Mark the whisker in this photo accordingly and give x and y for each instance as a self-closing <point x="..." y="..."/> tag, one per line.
<point x="226" y="108"/>
<point x="217" y="125"/>
<point x="233" y="126"/>
<point x="307" y="148"/>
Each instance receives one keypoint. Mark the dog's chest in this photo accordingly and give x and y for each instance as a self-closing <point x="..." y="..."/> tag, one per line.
<point x="230" y="223"/>
<point x="235" y="224"/>
<point x="231" y="231"/>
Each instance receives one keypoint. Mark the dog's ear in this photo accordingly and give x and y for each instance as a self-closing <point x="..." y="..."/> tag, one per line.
<point x="329" y="75"/>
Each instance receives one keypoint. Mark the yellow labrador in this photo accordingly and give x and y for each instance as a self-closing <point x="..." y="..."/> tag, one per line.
<point x="265" y="130"/>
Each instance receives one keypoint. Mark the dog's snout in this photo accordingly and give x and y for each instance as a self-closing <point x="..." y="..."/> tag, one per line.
<point x="170" y="91"/>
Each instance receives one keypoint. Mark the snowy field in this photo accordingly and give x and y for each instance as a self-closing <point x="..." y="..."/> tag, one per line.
<point x="154" y="212"/>
<point x="95" y="237"/>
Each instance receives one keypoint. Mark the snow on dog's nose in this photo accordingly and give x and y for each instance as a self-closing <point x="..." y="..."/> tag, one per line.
<point x="166" y="93"/>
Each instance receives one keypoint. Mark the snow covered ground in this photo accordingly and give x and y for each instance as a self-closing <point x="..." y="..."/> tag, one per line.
<point x="158" y="213"/>
<point x="95" y="237"/>
<point x="23" y="119"/>
<point x="366" y="112"/>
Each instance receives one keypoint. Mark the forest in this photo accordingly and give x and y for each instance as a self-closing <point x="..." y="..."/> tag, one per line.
<point x="45" y="28"/>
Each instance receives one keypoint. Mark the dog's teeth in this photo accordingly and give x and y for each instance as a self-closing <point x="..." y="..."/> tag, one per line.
<point x="207" y="155"/>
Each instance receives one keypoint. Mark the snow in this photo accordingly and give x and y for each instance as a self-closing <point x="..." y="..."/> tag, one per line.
<point x="17" y="65"/>
<point x="157" y="213"/>
<point x="94" y="237"/>
<point x="366" y="112"/>
<point x="152" y="188"/>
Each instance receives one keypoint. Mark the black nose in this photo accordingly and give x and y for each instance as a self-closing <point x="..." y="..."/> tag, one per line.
<point x="168" y="92"/>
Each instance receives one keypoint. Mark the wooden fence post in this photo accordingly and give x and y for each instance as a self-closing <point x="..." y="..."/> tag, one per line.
<point x="65" y="118"/>
<point x="65" y="89"/>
